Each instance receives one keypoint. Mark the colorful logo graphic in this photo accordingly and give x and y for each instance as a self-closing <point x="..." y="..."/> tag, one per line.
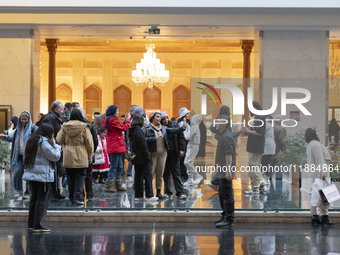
<point x="209" y="93"/>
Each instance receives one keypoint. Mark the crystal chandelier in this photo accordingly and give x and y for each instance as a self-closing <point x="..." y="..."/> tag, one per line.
<point x="150" y="70"/>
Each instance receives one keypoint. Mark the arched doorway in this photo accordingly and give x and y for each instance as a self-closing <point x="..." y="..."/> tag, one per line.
<point x="64" y="93"/>
<point x="181" y="98"/>
<point x="122" y="99"/>
<point x="92" y="100"/>
<point x="152" y="98"/>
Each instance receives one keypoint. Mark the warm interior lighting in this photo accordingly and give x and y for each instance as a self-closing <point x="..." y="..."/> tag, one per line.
<point x="150" y="70"/>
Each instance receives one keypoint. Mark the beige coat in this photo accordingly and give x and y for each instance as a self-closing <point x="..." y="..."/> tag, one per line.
<point x="76" y="138"/>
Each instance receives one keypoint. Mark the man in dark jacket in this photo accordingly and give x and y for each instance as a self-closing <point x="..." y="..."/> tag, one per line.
<point x="225" y="165"/>
<point x="176" y="149"/>
<point x="54" y="118"/>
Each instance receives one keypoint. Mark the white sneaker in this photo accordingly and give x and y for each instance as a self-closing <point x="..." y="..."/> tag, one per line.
<point x="189" y="182"/>
<point x="26" y="196"/>
<point x="198" y="179"/>
<point x="264" y="189"/>
<point x="129" y="179"/>
<point x="17" y="195"/>
<point x="198" y="194"/>
<point x="151" y="198"/>
<point x="249" y="191"/>
<point x="182" y="197"/>
<point x="166" y="196"/>
<point x="139" y="199"/>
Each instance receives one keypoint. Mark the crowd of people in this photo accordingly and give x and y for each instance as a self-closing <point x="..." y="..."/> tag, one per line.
<point x="64" y="144"/>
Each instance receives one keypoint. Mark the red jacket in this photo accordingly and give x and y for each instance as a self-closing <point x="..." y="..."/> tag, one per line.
<point x="114" y="137"/>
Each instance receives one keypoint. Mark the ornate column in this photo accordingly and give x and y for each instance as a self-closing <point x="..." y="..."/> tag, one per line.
<point x="52" y="45"/>
<point x="247" y="46"/>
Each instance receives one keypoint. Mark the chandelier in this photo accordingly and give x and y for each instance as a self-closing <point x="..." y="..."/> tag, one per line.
<point x="150" y="70"/>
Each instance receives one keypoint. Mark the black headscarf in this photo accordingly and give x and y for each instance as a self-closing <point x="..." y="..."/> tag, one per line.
<point x="15" y="120"/>
<point x="311" y="135"/>
<point x="224" y="110"/>
<point x="76" y="115"/>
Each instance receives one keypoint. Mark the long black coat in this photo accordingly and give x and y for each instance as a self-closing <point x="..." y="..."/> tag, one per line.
<point x="176" y="140"/>
<point x="139" y="146"/>
<point x="203" y="141"/>
<point x="151" y="137"/>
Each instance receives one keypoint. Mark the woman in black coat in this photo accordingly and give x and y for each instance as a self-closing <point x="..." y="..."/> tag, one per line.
<point x="142" y="159"/>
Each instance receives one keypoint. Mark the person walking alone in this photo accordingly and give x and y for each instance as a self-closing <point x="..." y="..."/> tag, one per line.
<point x="318" y="157"/>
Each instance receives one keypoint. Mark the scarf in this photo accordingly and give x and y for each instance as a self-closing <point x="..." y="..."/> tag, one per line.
<point x="26" y="136"/>
<point x="157" y="128"/>
<point x="110" y="111"/>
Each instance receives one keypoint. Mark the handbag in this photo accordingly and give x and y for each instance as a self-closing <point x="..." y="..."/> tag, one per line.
<point x="124" y="201"/>
<point x="99" y="158"/>
<point x="130" y="154"/>
<point x="329" y="194"/>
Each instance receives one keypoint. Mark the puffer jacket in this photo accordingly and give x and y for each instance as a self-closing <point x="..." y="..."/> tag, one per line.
<point x="114" y="135"/>
<point x="194" y="135"/>
<point x="77" y="141"/>
<point x="176" y="140"/>
<point x="42" y="170"/>
<point x="151" y="137"/>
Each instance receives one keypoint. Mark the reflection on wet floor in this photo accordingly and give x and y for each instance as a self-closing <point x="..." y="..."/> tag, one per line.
<point x="282" y="195"/>
<point x="172" y="239"/>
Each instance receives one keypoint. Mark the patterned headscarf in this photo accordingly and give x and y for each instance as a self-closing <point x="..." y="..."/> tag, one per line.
<point x="27" y="133"/>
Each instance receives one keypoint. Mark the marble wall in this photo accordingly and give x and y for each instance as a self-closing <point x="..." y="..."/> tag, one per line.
<point x="297" y="59"/>
<point x="15" y="70"/>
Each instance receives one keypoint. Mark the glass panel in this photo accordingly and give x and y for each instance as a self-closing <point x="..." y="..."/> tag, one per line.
<point x="337" y="114"/>
<point x="285" y="189"/>
<point x="330" y="111"/>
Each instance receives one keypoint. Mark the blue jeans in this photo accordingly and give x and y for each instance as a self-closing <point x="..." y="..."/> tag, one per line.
<point x="116" y="166"/>
<point x="18" y="171"/>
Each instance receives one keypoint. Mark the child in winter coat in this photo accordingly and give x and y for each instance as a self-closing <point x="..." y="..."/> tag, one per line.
<point x="101" y="164"/>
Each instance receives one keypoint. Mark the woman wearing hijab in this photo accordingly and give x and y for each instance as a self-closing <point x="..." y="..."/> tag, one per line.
<point x="115" y="147"/>
<point x="318" y="156"/>
<point x="13" y="125"/>
<point x="41" y="150"/>
<point x="158" y="144"/>
<point x="143" y="177"/>
<point x="19" y="140"/>
<point x="76" y="138"/>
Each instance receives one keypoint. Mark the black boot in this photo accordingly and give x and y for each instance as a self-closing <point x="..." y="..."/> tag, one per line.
<point x="159" y="195"/>
<point x="316" y="220"/>
<point x="326" y="220"/>
<point x="225" y="223"/>
<point x="220" y="219"/>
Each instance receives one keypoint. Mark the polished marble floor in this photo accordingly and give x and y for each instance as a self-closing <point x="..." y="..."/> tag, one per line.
<point x="287" y="192"/>
<point x="150" y="238"/>
<point x="282" y="195"/>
